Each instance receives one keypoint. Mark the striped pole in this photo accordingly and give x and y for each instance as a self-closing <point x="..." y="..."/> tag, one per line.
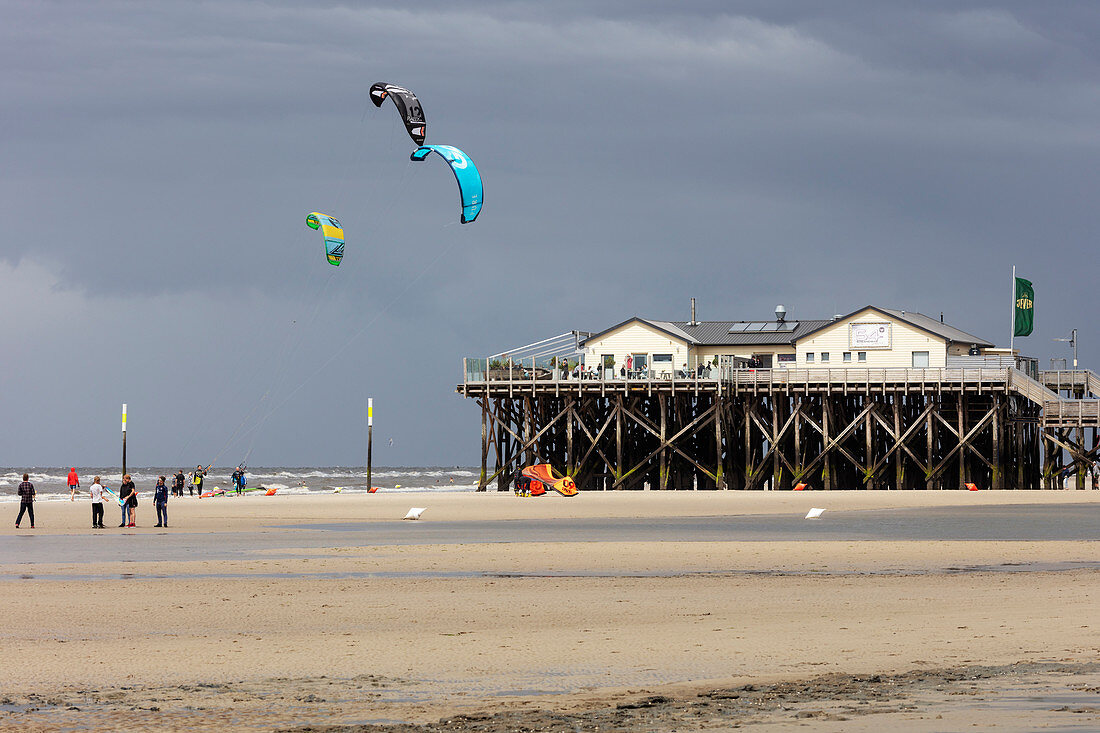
<point x="123" y="438"/>
<point x="370" y="435"/>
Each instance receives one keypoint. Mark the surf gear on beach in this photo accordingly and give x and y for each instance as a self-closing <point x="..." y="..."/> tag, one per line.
<point x="534" y="480"/>
<point x="470" y="188"/>
<point x="408" y="106"/>
<point x="333" y="235"/>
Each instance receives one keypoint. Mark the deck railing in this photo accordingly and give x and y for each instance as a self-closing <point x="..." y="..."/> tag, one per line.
<point x="477" y="370"/>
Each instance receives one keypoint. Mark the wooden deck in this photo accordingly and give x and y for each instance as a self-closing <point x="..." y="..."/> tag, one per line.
<point x="1057" y="411"/>
<point x="747" y="428"/>
<point x="758" y="381"/>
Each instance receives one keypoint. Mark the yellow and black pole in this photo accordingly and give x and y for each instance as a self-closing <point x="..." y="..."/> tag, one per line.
<point x="370" y="435"/>
<point x="123" y="438"/>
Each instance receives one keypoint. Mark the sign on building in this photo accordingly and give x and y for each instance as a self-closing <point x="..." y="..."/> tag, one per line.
<point x="869" y="335"/>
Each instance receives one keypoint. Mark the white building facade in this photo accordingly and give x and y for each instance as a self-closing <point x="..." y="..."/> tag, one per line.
<point x="870" y="337"/>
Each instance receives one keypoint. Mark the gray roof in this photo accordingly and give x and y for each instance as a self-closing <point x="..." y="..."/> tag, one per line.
<point x="768" y="333"/>
<point x="745" y="333"/>
<point x="727" y="333"/>
<point x="940" y="329"/>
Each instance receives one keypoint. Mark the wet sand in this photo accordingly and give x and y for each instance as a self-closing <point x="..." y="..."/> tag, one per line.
<point x="231" y="621"/>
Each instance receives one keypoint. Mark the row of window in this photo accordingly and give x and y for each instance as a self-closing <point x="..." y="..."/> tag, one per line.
<point x="920" y="358"/>
<point x="639" y="361"/>
<point x="847" y="356"/>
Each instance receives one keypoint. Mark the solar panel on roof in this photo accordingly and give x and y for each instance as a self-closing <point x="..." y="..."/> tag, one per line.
<point x="738" y="327"/>
<point x="756" y="326"/>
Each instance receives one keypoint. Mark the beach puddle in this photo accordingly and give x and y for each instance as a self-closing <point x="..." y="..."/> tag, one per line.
<point x="1015" y="567"/>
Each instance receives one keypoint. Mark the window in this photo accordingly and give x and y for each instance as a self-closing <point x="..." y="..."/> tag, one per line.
<point x="784" y="361"/>
<point x="920" y="359"/>
<point x="861" y="355"/>
<point x="847" y="356"/>
<point x="824" y="356"/>
<point x="809" y="357"/>
<point x="662" y="365"/>
<point x="639" y="362"/>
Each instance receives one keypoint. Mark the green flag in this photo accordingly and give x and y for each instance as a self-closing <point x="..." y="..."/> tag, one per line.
<point x="1025" y="308"/>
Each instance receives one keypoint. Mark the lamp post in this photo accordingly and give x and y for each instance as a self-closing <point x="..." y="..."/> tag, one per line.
<point x="1072" y="341"/>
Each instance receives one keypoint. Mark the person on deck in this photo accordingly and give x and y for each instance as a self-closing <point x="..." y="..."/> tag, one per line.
<point x="96" y="492"/>
<point x="127" y="494"/>
<point x="74" y="484"/>
<point x="160" y="500"/>
<point x="26" y="500"/>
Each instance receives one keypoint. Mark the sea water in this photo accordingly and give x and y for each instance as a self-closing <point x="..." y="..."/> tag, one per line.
<point x="50" y="483"/>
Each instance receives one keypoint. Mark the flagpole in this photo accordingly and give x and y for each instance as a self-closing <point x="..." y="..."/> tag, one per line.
<point x="1012" y="321"/>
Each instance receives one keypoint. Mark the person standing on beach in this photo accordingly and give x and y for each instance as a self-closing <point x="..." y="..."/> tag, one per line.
<point x="26" y="500"/>
<point x="126" y="494"/>
<point x="196" y="480"/>
<point x="74" y="484"/>
<point x="160" y="500"/>
<point x="96" y="492"/>
<point x="177" y="484"/>
<point x="237" y="480"/>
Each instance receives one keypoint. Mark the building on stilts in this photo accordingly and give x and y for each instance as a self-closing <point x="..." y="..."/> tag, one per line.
<point x="879" y="398"/>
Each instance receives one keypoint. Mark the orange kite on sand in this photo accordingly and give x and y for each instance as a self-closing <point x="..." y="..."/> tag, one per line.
<point x="534" y="480"/>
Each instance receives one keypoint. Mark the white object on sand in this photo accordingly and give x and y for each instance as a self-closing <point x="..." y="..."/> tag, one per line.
<point x="814" y="513"/>
<point x="415" y="512"/>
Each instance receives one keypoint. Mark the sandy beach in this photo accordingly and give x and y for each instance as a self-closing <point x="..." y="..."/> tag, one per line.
<point x="330" y="612"/>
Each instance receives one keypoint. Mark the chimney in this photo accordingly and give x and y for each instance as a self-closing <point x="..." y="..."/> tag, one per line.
<point x="780" y="313"/>
<point x="692" y="312"/>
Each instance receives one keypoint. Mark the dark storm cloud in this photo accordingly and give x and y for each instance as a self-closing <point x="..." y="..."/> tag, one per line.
<point x="158" y="161"/>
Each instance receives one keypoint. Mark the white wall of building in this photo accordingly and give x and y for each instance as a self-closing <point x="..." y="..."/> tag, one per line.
<point x="635" y="338"/>
<point x="904" y="340"/>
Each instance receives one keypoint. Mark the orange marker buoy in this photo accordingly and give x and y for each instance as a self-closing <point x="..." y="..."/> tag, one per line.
<point x="270" y="492"/>
<point x="800" y="487"/>
<point x="971" y="487"/>
<point x="372" y="489"/>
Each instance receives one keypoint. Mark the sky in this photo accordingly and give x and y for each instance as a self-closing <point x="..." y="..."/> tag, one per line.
<point x="158" y="160"/>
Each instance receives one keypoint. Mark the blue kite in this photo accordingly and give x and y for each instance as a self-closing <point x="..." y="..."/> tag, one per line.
<point x="469" y="180"/>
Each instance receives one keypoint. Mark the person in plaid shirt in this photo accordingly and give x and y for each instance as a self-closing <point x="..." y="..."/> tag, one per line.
<point x="26" y="501"/>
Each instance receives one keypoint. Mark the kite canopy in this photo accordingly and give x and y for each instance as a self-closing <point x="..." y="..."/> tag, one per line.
<point x="333" y="234"/>
<point x="469" y="180"/>
<point x="544" y="473"/>
<point x="407" y="105"/>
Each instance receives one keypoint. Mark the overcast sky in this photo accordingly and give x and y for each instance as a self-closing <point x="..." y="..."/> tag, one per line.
<point x="157" y="162"/>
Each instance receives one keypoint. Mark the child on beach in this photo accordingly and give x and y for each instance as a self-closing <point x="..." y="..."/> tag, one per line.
<point x="96" y="492"/>
<point x="160" y="500"/>
<point x="26" y="501"/>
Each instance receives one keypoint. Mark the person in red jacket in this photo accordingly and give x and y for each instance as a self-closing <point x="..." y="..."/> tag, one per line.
<point x="74" y="484"/>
